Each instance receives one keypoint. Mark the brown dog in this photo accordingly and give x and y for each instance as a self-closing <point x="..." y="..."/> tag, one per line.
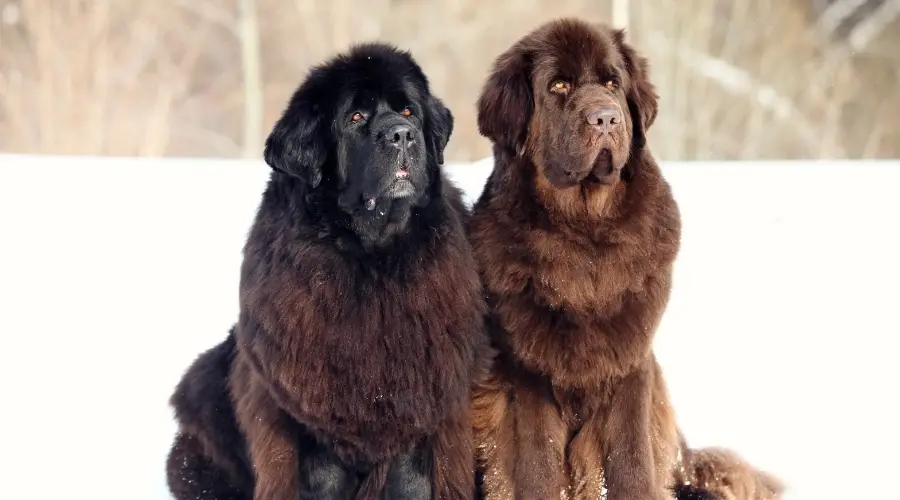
<point x="575" y="235"/>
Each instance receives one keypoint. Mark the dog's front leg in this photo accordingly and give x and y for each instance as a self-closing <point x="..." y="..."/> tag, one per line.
<point x="454" y="459"/>
<point x="520" y="442"/>
<point x="629" y="461"/>
<point x="273" y="453"/>
<point x="271" y="439"/>
<point x="541" y="437"/>
<point x="410" y="476"/>
<point x="493" y="431"/>
<point x="586" y="461"/>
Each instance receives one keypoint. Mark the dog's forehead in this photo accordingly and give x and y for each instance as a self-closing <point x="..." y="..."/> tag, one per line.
<point x="371" y="89"/>
<point x="576" y="50"/>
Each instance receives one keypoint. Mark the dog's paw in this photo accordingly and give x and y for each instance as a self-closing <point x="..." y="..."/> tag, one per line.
<point x="690" y="492"/>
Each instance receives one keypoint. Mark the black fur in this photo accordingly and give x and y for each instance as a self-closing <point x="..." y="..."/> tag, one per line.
<point x="208" y="465"/>
<point x="317" y="142"/>
<point x="688" y="492"/>
<point x="348" y="374"/>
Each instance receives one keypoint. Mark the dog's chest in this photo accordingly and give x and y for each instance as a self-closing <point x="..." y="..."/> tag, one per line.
<point x="577" y="406"/>
<point x="398" y="355"/>
<point x="582" y="281"/>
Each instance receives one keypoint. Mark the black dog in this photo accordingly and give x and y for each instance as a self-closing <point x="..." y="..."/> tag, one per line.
<point x="361" y="325"/>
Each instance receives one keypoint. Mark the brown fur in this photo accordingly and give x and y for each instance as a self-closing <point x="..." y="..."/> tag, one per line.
<point x="723" y="471"/>
<point x="575" y="236"/>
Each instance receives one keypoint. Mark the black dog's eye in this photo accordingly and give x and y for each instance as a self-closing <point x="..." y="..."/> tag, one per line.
<point x="560" y="87"/>
<point x="612" y="83"/>
<point x="356" y="117"/>
<point x="407" y="112"/>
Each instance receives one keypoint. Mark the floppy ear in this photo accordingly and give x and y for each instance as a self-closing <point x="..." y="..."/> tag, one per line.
<point x="440" y="127"/>
<point x="506" y="101"/>
<point x="643" y="102"/>
<point x="297" y="143"/>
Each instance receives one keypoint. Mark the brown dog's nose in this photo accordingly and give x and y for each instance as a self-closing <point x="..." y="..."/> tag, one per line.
<point x="605" y="119"/>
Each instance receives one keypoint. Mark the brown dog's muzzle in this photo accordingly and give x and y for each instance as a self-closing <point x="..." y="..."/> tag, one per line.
<point x="605" y="132"/>
<point x="591" y="144"/>
<point x="602" y="113"/>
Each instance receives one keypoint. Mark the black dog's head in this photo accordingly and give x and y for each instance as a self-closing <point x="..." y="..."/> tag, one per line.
<point x="364" y="129"/>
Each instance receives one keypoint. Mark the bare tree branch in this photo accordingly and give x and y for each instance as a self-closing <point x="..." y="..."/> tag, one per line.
<point x="836" y="12"/>
<point x="739" y="81"/>
<point x="620" y="14"/>
<point x="870" y="27"/>
<point x="754" y="78"/>
<point x="252" y="73"/>
<point x="213" y="14"/>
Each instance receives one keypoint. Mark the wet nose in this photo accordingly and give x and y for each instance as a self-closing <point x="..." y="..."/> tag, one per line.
<point x="605" y="119"/>
<point x="399" y="136"/>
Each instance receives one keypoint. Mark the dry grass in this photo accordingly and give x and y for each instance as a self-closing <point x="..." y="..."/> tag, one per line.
<point x="108" y="77"/>
<point x="739" y="78"/>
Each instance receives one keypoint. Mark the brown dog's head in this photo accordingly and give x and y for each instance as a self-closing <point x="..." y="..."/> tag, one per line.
<point x="574" y="98"/>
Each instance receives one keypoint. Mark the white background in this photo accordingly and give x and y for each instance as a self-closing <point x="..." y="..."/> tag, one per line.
<point x="779" y="341"/>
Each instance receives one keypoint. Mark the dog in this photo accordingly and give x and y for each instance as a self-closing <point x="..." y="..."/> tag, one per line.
<point x="575" y="235"/>
<point x="361" y="326"/>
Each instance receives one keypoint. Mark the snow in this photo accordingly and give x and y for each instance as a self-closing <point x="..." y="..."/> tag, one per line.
<point x="779" y="340"/>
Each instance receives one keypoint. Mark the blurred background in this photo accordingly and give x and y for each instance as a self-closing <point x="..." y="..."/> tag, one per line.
<point x="739" y="79"/>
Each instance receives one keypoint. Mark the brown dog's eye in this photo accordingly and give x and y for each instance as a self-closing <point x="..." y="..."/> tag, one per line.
<point x="406" y="112"/>
<point x="559" y="87"/>
<point x="612" y="84"/>
<point x="355" y="117"/>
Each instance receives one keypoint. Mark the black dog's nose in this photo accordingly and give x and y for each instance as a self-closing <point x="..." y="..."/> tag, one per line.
<point x="605" y="119"/>
<point x="399" y="136"/>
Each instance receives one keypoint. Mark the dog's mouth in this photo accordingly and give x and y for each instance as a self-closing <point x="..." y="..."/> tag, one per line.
<point x="604" y="171"/>
<point x="401" y="187"/>
<point x="600" y="180"/>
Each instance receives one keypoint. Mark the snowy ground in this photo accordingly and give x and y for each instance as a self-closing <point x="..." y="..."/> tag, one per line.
<point x="779" y="341"/>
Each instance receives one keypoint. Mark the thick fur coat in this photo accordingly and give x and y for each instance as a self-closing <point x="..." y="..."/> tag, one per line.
<point x="575" y="235"/>
<point x="361" y="323"/>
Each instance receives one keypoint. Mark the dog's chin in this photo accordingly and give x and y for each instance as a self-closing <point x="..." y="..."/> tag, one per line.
<point x="401" y="187"/>
<point x="571" y="171"/>
<point x="405" y="181"/>
<point x="559" y="173"/>
<point x="606" y="170"/>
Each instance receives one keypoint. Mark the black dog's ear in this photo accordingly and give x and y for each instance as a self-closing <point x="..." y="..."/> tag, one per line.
<point x="297" y="144"/>
<point x="439" y="127"/>
<point x="643" y="101"/>
<point x="506" y="102"/>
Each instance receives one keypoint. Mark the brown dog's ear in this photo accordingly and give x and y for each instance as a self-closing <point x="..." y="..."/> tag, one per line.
<point x="643" y="102"/>
<point x="506" y="101"/>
